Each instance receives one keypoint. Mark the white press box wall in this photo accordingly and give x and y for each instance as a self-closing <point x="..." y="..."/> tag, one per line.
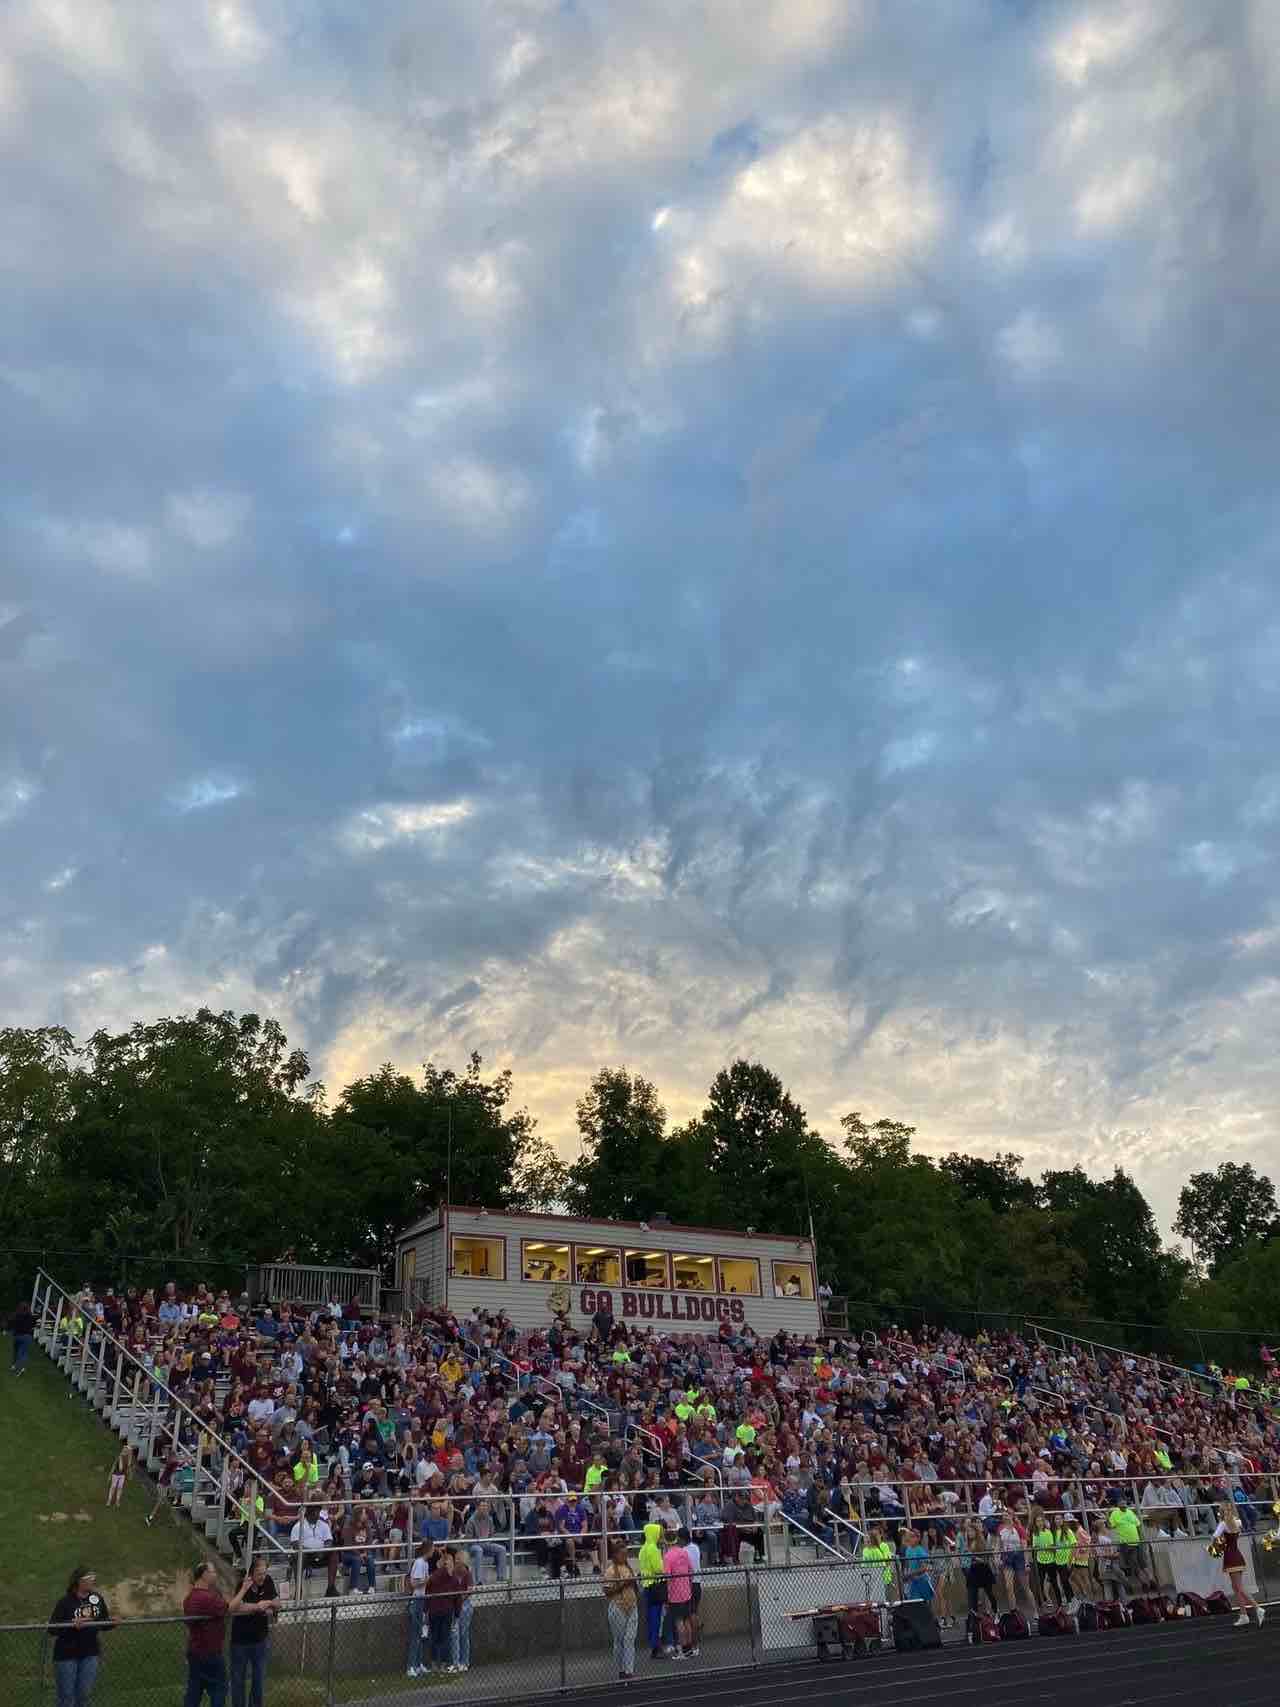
<point x="671" y="1278"/>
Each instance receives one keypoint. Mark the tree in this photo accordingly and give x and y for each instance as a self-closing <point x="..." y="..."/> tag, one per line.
<point x="35" y="1098"/>
<point x="196" y="1125"/>
<point x="1223" y="1212"/>
<point x="409" y="1146"/>
<point x="620" y="1174"/>
<point x="995" y="1180"/>
<point x="1128" y="1276"/>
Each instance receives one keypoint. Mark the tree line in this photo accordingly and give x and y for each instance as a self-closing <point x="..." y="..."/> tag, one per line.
<point x="203" y="1140"/>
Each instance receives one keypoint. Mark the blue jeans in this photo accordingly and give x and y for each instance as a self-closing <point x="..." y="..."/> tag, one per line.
<point x="358" y="1562"/>
<point x="74" y="1680"/>
<point x="248" y="1673"/>
<point x="417" y="1617"/>
<point x="205" y="1672"/>
<point x="654" y="1609"/>
<point x="482" y="1550"/>
<point x="21" y="1346"/>
<point x="460" y="1635"/>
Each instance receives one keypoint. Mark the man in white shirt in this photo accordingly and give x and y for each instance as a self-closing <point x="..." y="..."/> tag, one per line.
<point x="419" y="1571"/>
<point x="313" y="1531"/>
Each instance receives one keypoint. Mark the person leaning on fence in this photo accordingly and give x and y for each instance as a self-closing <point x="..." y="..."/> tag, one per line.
<point x="76" y="1652"/>
<point x="206" y="1613"/>
<point x="419" y="1571"/>
<point x="442" y="1609"/>
<point x="460" y="1631"/>
<point x="622" y="1598"/>
<point x="251" y="1633"/>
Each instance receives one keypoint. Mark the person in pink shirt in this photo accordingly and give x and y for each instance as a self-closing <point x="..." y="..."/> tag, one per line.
<point x="677" y="1566"/>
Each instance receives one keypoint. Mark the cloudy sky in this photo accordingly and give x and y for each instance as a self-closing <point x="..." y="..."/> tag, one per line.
<point x="649" y="530"/>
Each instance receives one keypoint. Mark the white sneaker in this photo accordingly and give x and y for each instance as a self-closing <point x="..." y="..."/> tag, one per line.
<point x="1241" y="1623"/>
<point x="1262" y="1613"/>
<point x="413" y="1672"/>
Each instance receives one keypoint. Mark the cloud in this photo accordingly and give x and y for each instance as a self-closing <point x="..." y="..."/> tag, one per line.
<point x="598" y="536"/>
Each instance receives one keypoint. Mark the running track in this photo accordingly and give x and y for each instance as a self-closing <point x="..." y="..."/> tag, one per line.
<point x="1200" y="1663"/>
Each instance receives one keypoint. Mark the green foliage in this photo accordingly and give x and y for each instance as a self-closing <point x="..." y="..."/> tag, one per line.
<point x="620" y="1174"/>
<point x="1224" y="1212"/>
<point x="200" y="1139"/>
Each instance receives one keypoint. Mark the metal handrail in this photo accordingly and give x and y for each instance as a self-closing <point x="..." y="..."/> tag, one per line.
<point x="144" y="1374"/>
<point x="791" y="1523"/>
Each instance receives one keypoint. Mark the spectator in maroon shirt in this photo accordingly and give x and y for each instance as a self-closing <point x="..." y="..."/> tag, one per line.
<point x="206" y="1612"/>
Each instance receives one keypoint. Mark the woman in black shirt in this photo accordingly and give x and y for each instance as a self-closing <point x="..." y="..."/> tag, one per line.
<point x="75" y="1624"/>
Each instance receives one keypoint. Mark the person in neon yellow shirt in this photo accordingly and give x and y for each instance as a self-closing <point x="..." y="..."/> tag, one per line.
<point x="595" y="1473"/>
<point x="684" y="1410"/>
<point x="745" y="1434"/>
<point x="707" y="1411"/>
<point x="877" y="1551"/>
<point x="1126" y="1528"/>
<point x="1042" y="1550"/>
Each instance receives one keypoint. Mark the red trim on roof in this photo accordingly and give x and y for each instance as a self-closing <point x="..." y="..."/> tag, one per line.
<point x="586" y="1221"/>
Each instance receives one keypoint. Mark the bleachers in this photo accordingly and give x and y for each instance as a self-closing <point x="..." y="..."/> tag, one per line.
<point x="471" y="1435"/>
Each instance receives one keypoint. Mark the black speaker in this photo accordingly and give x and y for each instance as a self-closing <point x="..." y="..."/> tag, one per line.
<point x="914" y="1626"/>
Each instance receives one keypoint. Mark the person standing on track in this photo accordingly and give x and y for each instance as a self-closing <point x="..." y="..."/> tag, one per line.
<point x="622" y="1598"/>
<point x="649" y="1564"/>
<point x="678" y="1567"/>
<point x="692" y="1548"/>
<point x="1227" y="1535"/>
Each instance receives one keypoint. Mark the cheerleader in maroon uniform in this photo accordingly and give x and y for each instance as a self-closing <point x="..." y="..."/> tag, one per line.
<point x="1226" y="1541"/>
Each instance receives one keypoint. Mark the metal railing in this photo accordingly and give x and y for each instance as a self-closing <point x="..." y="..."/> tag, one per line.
<point x="566" y="1635"/>
<point x="316" y="1284"/>
<point x="142" y="1412"/>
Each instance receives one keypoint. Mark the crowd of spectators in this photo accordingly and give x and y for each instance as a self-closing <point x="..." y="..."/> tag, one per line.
<point x="353" y="1440"/>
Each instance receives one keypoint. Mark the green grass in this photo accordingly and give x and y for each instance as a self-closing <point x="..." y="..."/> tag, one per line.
<point x="55" y="1460"/>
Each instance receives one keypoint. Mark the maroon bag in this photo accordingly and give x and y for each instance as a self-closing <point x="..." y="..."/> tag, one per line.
<point x="1196" y="1602"/>
<point x="1218" y="1603"/>
<point x="1113" y="1615"/>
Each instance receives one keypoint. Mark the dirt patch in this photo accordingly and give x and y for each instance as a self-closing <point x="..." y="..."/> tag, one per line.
<point x="158" y="1592"/>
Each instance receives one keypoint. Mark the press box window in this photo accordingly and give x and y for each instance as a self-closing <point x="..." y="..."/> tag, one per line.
<point x="597" y="1265"/>
<point x="479" y="1259"/>
<point x="694" y="1274"/>
<point x="647" y="1268"/>
<point x="740" y="1275"/>
<point x="540" y="1260"/>
<point x="792" y="1280"/>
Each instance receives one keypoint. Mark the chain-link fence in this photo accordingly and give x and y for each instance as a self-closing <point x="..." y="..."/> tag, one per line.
<point x="500" y="1642"/>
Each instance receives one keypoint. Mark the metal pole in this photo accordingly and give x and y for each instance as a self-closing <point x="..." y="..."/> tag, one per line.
<point x="563" y="1661"/>
<point x="511" y="1549"/>
<point x="751" y="1614"/>
<point x="333" y="1649"/>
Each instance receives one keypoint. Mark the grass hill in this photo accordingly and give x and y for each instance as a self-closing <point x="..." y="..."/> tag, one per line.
<point x="57" y="1456"/>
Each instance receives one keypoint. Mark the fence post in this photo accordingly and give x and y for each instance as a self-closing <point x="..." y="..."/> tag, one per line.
<point x="84" y="1346"/>
<point x="511" y="1549"/>
<point x="751" y="1614"/>
<point x="564" y="1671"/>
<point x="115" y="1391"/>
<point x="329" y="1694"/>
